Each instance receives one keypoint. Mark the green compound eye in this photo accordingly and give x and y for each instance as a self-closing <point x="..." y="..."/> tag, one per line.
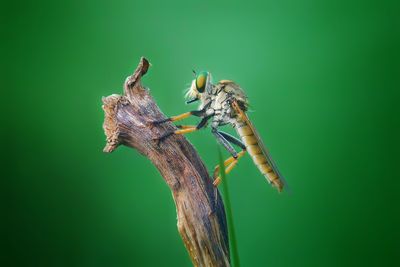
<point x="201" y="81"/>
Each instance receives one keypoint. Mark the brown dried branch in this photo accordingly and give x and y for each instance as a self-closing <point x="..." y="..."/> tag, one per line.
<point x="201" y="217"/>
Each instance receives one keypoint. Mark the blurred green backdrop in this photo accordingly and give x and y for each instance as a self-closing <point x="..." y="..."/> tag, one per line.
<point x="322" y="78"/>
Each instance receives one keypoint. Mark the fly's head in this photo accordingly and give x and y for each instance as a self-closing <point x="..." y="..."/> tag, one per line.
<point x="200" y="88"/>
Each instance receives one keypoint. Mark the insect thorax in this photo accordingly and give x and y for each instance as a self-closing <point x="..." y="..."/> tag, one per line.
<point x="220" y="99"/>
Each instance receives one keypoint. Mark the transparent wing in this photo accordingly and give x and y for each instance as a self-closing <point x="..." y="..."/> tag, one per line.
<point x="264" y="149"/>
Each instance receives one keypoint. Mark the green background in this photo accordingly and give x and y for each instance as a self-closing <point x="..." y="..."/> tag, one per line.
<point x="322" y="78"/>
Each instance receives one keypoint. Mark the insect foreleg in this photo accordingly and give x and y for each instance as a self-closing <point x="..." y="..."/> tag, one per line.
<point x="197" y="113"/>
<point x="185" y="126"/>
<point x="189" y="129"/>
<point x="178" y="117"/>
<point x="184" y="129"/>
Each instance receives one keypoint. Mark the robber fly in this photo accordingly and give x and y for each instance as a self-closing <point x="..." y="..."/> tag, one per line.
<point x="226" y="103"/>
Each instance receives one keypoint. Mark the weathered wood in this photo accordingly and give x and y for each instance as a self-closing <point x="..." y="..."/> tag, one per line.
<point x="201" y="217"/>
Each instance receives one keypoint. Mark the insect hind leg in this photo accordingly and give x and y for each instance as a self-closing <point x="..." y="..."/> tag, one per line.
<point x="233" y="140"/>
<point x="222" y="140"/>
<point x="226" y="140"/>
<point x="230" y="163"/>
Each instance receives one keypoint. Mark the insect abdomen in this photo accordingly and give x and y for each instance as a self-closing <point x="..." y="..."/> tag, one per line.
<point x="248" y="137"/>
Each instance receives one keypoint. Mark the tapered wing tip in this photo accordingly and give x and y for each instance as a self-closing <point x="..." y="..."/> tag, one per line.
<point x="278" y="184"/>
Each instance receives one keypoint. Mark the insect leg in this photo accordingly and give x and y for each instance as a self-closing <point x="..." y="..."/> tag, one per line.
<point x="197" y="113"/>
<point x="189" y="129"/>
<point x="185" y="126"/>
<point x="233" y="140"/>
<point x="232" y="161"/>
<point x="186" y="129"/>
<point x="221" y="139"/>
<point x="177" y="117"/>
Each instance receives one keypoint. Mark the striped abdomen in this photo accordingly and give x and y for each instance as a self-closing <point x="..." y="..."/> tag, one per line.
<point x="258" y="153"/>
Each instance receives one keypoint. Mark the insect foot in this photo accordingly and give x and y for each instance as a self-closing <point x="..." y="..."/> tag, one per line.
<point x="217" y="181"/>
<point x="162" y="138"/>
<point x="156" y="123"/>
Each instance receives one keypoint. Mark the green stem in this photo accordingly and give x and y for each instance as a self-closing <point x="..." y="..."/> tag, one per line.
<point x="227" y="203"/>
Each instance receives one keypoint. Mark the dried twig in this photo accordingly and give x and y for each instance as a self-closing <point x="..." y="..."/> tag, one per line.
<point x="201" y="217"/>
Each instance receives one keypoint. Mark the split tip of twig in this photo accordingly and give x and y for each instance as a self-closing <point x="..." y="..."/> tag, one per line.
<point x="134" y="79"/>
<point x="145" y="65"/>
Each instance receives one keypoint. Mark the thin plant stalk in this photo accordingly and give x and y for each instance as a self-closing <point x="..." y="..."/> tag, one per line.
<point x="231" y="227"/>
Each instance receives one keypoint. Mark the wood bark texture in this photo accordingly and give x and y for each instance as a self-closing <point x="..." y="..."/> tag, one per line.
<point x="200" y="210"/>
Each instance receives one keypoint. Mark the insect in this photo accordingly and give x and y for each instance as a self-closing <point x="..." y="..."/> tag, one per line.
<point x="226" y="103"/>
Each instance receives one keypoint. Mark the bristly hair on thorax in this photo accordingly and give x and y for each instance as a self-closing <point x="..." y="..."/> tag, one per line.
<point x="236" y="91"/>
